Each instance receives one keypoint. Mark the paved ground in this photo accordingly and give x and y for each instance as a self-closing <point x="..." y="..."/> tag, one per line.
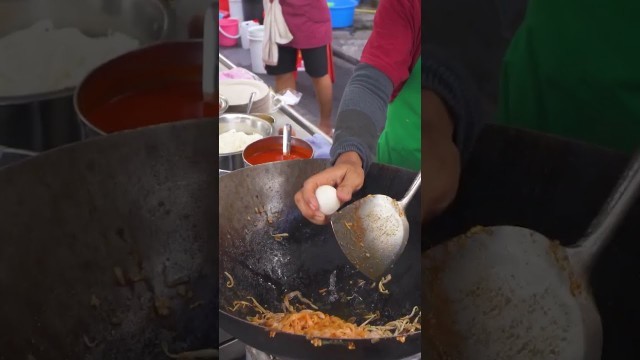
<point x="347" y="46"/>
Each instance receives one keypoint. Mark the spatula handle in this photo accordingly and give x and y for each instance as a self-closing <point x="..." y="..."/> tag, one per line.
<point x="412" y="191"/>
<point x="612" y="213"/>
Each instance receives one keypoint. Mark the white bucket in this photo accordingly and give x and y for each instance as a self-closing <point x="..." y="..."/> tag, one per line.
<point x="235" y="9"/>
<point x="244" y="32"/>
<point x="256" y="34"/>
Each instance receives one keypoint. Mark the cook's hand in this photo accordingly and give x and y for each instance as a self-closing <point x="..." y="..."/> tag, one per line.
<point x="347" y="176"/>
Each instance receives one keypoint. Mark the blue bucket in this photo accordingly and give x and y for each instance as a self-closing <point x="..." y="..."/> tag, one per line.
<point x="342" y="12"/>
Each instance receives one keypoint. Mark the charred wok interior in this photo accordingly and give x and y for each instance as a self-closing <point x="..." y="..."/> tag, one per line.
<point x="556" y="187"/>
<point x="108" y="247"/>
<point x="256" y="203"/>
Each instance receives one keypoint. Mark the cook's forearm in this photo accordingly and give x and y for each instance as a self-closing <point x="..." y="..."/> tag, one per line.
<point x="457" y="94"/>
<point x="450" y="124"/>
<point x="362" y="114"/>
<point x="440" y="157"/>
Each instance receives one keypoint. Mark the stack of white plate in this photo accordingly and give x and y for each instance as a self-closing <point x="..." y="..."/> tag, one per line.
<point x="238" y="92"/>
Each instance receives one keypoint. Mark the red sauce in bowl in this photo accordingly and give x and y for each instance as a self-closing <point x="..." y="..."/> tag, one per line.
<point x="269" y="150"/>
<point x="267" y="156"/>
<point x="163" y="103"/>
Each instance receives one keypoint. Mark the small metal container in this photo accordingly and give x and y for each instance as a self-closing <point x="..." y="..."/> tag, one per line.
<point x="266" y="117"/>
<point x="248" y="124"/>
<point x="274" y="143"/>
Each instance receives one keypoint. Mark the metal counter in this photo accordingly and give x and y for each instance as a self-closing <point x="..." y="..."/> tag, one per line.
<point x="286" y="114"/>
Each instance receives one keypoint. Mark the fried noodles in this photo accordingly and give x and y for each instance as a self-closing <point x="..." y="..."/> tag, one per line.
<point x="315" y="324"/>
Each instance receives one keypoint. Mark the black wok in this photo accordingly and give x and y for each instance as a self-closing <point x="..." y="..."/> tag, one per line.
<point x="307" y="260"/>
<point x="140" y="204"/>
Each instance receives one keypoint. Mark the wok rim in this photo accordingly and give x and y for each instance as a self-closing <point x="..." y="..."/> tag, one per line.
<point x="42" y="156"/>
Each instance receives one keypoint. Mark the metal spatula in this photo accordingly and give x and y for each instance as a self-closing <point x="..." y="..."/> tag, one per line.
<point x="506" y="292"/>
<point x="373" y="231"/>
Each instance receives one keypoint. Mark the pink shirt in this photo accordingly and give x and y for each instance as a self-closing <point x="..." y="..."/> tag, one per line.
<point x="309" y="21"/>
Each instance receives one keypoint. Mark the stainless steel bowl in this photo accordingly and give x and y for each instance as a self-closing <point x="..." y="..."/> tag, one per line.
<point x="223" y="103"/>
<point x="240" y="122"/>
<point x="266" y="117"/>
<point x="46" y="120"/>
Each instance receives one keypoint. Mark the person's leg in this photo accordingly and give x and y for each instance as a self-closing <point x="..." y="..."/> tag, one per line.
<point x="316" y="64"/>
<point x="285" y="70"/>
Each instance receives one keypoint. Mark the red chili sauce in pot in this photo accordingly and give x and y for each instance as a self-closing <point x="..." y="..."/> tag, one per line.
<point x="273" y="155"/>
<point x="163" y="103"/>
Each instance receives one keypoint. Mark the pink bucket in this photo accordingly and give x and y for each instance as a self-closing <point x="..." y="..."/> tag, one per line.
<point x="229" y="32"/>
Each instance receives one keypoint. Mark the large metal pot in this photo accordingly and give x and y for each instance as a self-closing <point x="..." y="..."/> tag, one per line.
<point x="46" y="120"/>
<point x="156" y="64"/>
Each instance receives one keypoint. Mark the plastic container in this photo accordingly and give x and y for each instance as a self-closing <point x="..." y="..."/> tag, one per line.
<point x="244" y="32"/>
<point x="224" y="5"/>
<point x="342" y="13"/>
<point x="222" y="14"/>
<point x="256" y="35"/>
<point x="229" y="32"/>
<point x="235" y="9"/>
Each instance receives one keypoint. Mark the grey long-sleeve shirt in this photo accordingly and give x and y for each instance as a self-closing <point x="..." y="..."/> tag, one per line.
<point x="363" y="110"/>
